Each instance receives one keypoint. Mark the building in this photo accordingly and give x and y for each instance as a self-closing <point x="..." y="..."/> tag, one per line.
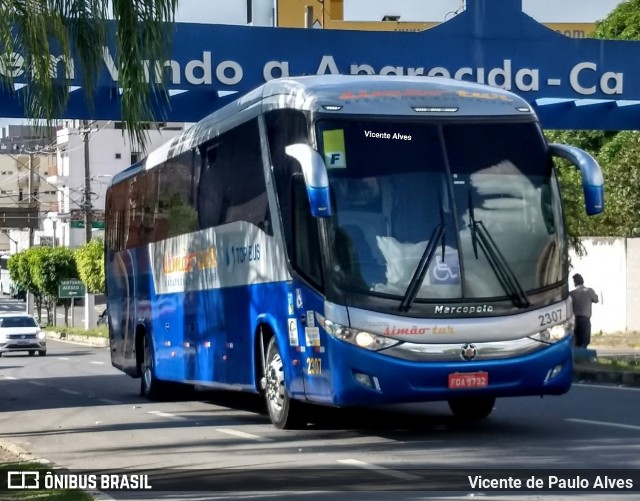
<point x="25" y="149"/>
<point x="17" y="138"/>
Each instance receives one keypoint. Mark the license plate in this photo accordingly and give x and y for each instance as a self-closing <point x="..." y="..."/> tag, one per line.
<point x="22" y="341"/>
<point x="462" y="380"/>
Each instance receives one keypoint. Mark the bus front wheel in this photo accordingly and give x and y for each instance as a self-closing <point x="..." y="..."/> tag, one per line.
<point x="472" y="408"/>
<point x="285" y="412"/>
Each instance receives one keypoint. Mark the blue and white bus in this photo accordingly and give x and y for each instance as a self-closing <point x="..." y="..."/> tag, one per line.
<point x="348" y="241"/>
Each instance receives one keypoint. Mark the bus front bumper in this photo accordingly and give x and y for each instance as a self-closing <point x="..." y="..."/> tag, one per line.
<point x="363" y="377"/>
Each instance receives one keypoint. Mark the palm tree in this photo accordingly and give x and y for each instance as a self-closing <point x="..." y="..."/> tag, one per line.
<point x="34" y="29"/>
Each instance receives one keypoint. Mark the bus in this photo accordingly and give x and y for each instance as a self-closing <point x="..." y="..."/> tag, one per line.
<point x="348" y="241"/>
<point x="6" y="284"/>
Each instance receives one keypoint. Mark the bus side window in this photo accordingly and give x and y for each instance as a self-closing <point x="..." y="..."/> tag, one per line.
<point x="210" y="190"/>
<point x="232" y="186"/>
<point x="174" y="208"/>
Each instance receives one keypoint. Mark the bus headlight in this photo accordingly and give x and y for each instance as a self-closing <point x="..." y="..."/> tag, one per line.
<point x="555" y="333"/>
<point x="360" y="338"/>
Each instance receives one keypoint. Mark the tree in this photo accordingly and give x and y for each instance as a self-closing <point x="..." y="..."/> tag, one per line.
<point x="23" y="273"/>
<point x="36" y="29"/>
<point x="90" y="262"/>
<point x="50" y="266"/>
<point x="617" y="152"/>
<point x="623" y="23"/>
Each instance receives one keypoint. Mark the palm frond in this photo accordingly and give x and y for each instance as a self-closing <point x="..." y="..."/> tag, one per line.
<point x="50" y="34"/>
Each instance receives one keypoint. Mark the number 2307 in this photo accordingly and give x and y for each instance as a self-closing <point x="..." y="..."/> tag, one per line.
<point x="550" y="317"/>
<point x="314" y="366"/>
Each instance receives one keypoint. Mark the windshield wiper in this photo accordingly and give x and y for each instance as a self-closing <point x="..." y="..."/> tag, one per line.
<point x="480" y="237"/>
<point x="421" y="271"/>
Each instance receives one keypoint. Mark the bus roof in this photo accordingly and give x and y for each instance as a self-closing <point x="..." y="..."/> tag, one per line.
<point x="336" y="95"/>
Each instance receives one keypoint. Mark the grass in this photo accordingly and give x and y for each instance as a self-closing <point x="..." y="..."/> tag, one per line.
<point x="100" y="331"/>
<point x="620" y="364"/>
<point x="36" y="495"/>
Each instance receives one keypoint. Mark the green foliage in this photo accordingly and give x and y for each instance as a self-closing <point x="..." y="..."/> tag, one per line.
<point x="97" y="331"/>
<point x="39" y="270"/>
<point x="618" y="155"/>
<point x="617" y="152"/>
<point x="36" y="29"/>
<point x="623" y="23"/>
<point x="90" y="261"/>
<point x="50" y="266"/>
<point x="38" y="495"/>
<point x="21" y="269"/>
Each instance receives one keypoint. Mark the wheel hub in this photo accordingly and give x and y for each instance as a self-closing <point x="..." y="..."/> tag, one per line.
<point x="275" y="384"/>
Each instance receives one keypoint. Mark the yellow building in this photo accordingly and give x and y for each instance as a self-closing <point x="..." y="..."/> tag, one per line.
<point x="329" y="14"/>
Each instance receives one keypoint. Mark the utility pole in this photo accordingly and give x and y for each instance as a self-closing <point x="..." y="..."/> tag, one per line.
<point x="30" y="194"/>
<point x="87" y="205"/>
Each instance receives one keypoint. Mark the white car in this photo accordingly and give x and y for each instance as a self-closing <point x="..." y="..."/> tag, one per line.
<point x="21" y="332"/>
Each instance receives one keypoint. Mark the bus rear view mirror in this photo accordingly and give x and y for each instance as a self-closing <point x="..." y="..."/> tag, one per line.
<point x="315" y="177"/>
<point x="592" y="179"/>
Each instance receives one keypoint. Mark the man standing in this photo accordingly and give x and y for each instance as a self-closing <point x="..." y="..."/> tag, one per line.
<point x="582" y="298"/>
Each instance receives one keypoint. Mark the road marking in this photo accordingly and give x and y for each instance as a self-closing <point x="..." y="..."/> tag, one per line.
<point x="242" y="434"/>
<point x="70" y="392"/>
<point x="604" y="423"/>
<point x="164" y="414"/>
<point x="109" y="401"/>
<point x="11" y="377"/>
<point x="63" y="358"/>
<point x="98" y="363"/>
<point x="380" y="469"/>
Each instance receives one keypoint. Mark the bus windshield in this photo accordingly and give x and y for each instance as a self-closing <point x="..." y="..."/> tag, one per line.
<point x="394" y="184"/>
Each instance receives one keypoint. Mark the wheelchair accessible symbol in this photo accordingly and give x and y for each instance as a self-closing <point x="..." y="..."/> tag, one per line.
<point x="446" y="272"/>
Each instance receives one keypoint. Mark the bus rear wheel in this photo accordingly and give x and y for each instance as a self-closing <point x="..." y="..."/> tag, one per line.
<point x="472" y="408"/>
<point x="150" y="386"/>
<point x="285" y="412"/>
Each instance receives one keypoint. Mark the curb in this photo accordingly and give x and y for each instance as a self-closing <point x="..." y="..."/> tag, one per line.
<point x="585" y="373"/>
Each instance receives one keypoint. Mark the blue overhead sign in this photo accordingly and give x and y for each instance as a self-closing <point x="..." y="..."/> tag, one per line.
<point x="572" y="83"/>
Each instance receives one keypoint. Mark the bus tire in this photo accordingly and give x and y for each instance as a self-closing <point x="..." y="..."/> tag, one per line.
<point x="285" y="412"/>
<point x="150" y="386"/>
<point x="472" y="408"/>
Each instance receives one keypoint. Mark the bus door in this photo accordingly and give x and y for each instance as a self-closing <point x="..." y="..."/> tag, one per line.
<point x="312" y="354"/>
<point x="307" y="295"/>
